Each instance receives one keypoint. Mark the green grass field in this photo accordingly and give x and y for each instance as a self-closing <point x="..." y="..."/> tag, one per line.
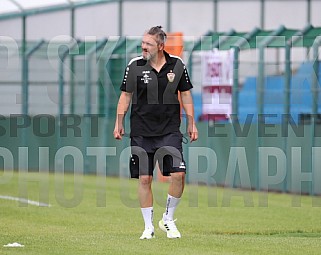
<point x="87" y="218"/>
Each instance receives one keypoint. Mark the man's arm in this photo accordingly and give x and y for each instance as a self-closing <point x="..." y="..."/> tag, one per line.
<point x="122" y="108"/>
<point x="188" y="105"/>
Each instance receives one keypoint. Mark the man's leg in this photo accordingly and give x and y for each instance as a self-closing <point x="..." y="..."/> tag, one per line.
<point x="141" y="166"/>
<point x="175" y="192"/>
<point x="145" y="191"/>
<point x="171" y="162"/>
<point x="176" y="188"/>
<point x="177" y="183"/>
<point x="145" y="195"/>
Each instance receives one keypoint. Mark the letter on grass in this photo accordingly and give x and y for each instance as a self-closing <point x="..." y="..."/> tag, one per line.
<point x="265" y="179"/>
<point x="7" y="165"/>
<point x="101" y="166"/>
<point x="205" y="177"/>
<point x="42" y="177"/>
<point x="237" y="157"/>
<point x="78" y="165"/>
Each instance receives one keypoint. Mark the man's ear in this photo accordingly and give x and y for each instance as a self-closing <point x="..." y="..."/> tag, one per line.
<point x="161" y="46"/>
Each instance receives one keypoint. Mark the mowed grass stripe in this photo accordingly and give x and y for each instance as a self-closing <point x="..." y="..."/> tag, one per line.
<point x="107" y="220"/>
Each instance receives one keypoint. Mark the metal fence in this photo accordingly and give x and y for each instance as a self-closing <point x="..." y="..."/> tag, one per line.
<point x="80" y="79"/>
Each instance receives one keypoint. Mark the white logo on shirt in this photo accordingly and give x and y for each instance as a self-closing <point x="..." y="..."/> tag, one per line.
<point x="146" y="77"/>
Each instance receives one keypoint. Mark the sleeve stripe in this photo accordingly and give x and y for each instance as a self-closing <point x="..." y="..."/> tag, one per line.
<point x="174" y="56"/>
<point x="134" y="59"/>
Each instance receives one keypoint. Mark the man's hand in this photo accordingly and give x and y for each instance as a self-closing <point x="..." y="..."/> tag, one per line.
<point x="119" y="131"/>
<point x="187" y="102"/>
<point x="192" y="132"/>
<point x="122" y="107"/>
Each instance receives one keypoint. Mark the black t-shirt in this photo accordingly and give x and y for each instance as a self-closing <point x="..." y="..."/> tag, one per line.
<point x="155" y="109"/>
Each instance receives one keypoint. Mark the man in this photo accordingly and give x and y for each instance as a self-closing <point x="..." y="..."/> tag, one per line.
<point x="151" y="83"/>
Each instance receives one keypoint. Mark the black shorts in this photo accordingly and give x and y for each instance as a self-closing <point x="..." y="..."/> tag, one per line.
<point x="147" y="151"/>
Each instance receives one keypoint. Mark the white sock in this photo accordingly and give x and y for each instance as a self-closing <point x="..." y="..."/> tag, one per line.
<point x="171" y="204"/>
<point x="148" y="217"/>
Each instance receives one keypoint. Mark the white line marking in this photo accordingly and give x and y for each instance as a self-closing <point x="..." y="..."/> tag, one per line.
<point x="13" y="245"/>
<point x="26" y="201"/>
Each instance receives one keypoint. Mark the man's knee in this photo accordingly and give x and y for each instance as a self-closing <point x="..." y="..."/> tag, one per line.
<point x="178" y="176"/>
<point x="145" y="180"/>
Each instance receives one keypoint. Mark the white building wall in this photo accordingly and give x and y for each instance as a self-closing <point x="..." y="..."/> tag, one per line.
<point x="11" y="28"/>
<point x="100" y="21"/>
<point x="315" y="13"/>
<point x="46" y="26"/>
<point x="191" y="18"/>
<point x="292" y="14"/>
<point x="240" y="15"/>
<point x="139" y="16"/>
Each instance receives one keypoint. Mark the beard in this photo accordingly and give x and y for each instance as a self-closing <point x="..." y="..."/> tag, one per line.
<point x="148" y="56"/>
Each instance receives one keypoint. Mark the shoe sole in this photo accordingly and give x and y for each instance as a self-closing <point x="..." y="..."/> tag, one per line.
<point x="153" y="236"/>
<point x="146" y="238"/>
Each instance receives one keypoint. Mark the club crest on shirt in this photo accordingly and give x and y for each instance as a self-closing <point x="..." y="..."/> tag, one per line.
<point x="171" y="76"/>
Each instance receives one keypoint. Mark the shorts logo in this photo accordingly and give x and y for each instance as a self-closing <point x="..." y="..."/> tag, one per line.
<point x="182" y="165"/>
<point x="171" y="76"/>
